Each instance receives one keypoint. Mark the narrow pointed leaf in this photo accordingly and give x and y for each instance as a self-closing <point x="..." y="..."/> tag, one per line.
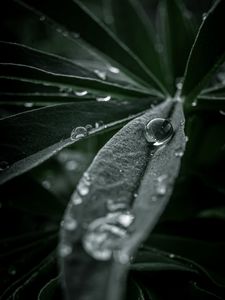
<point x="177" y="36"/>
<point x="111" y="220"/>
<point x="135" y="29"/>
<point x="81" y="20"/>
<point x="207" y="53"/>
<point x="31" y="137"/>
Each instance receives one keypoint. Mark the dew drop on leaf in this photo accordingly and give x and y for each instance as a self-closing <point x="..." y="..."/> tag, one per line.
<point x="65" y="250"/>
<point x="78" y="132"/>
<point x="70" y="224"/>
<point x="98" y="124"/>
<point x="81" y="93"/>
<point x="89" y="127"/>
<point x="126" y="219"/>
<point x="100" y="74"/>
<point x="103" y="99"/>
<point x="76" y="199"/>
<point x="158" y="131"/>
<point x="113" y="69"/>
<point x="42" y="18"/>
<point x="194" y="103"/>
<point x="83" y="186"/>
<point x="161" y="185"/>
<point x="29" y="104"/>
<point x="115" y="206"/>
<point x="71" y="165"/>
<point x="179" y="153"/>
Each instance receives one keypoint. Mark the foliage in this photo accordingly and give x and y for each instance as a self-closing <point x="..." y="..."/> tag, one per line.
<point x="142" y="217"/>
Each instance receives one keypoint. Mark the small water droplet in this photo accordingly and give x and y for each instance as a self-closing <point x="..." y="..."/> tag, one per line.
<point x="12" y="270"/>
<point x="28" y="104"/>
<point x="4" y="165"/>
<point x="158" y="131"/>
<point x="100" y="74"/>
<point x="59" y="30"/>
<point x="42" y="18"/>
<point x="75" y="35"/>
<point x="103" y="99"/>
<point x="122" y="257"/>
<point x="194" y="103"/>
<point x="113" y="69"/>
<point x="76" y="198"/>
<point x="126" y="219"/>
<point x="161" y="185"/>
<point x="135" y="195"/>
<point x="78" y="132"/>
<point x="204" y="16"/>
<point x="179" y="85"/>
<point x="186" y="138"/>
<point x="46" y="184"/>
<point x="115" y="206"/>
<point x="171" y="255"/>
<point x="89" y="127"/>
<point x="65" y="250"/>
<point x="179" y="153"/>
<point x="70" y="224"/>
<point x="99" y="124"/>
<point x="71" y="165"/>
<point x="222" y="112"/>
<point x="83" y="186"/>
<point x="81" y="93"/>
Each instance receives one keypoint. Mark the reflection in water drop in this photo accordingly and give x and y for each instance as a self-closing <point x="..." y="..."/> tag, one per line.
<point x="100" y="74"/>
<point x="158" y="131"/>
<point x="78" y="132"/>
<point x="103" y="99"/>
<point x="81" y="93"/>
<point x="65" y="250"/>
<point x="105" y="234"/>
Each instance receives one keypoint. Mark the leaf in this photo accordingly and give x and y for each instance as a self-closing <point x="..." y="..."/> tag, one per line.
<point x="207" y="53"/>
<point x="134" y="28"/>
<point x="105" y="198"/>
<point x="31" y="137"/>
<point x="176" y="34"/>
<point x="96" y="34"/>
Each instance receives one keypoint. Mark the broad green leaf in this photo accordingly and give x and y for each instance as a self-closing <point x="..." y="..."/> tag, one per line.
<point x="176" y="35"/>
<point x="31" y="137"/>
<point x="126" y="165"/>
<point x="134" y="28"/>
<point x="208" y="52"/>
<point x="81" y="20"/>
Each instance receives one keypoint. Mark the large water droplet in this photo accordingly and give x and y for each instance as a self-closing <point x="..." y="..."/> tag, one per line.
<point x="100" y="74"/>
<point x="78" y="132"/>
<point x="103" y="99"/>
<point x="158" y="131"/>
<point x="81" y="93"/>
<point x="4" y="165"/>
<point x="65" y="250"/>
